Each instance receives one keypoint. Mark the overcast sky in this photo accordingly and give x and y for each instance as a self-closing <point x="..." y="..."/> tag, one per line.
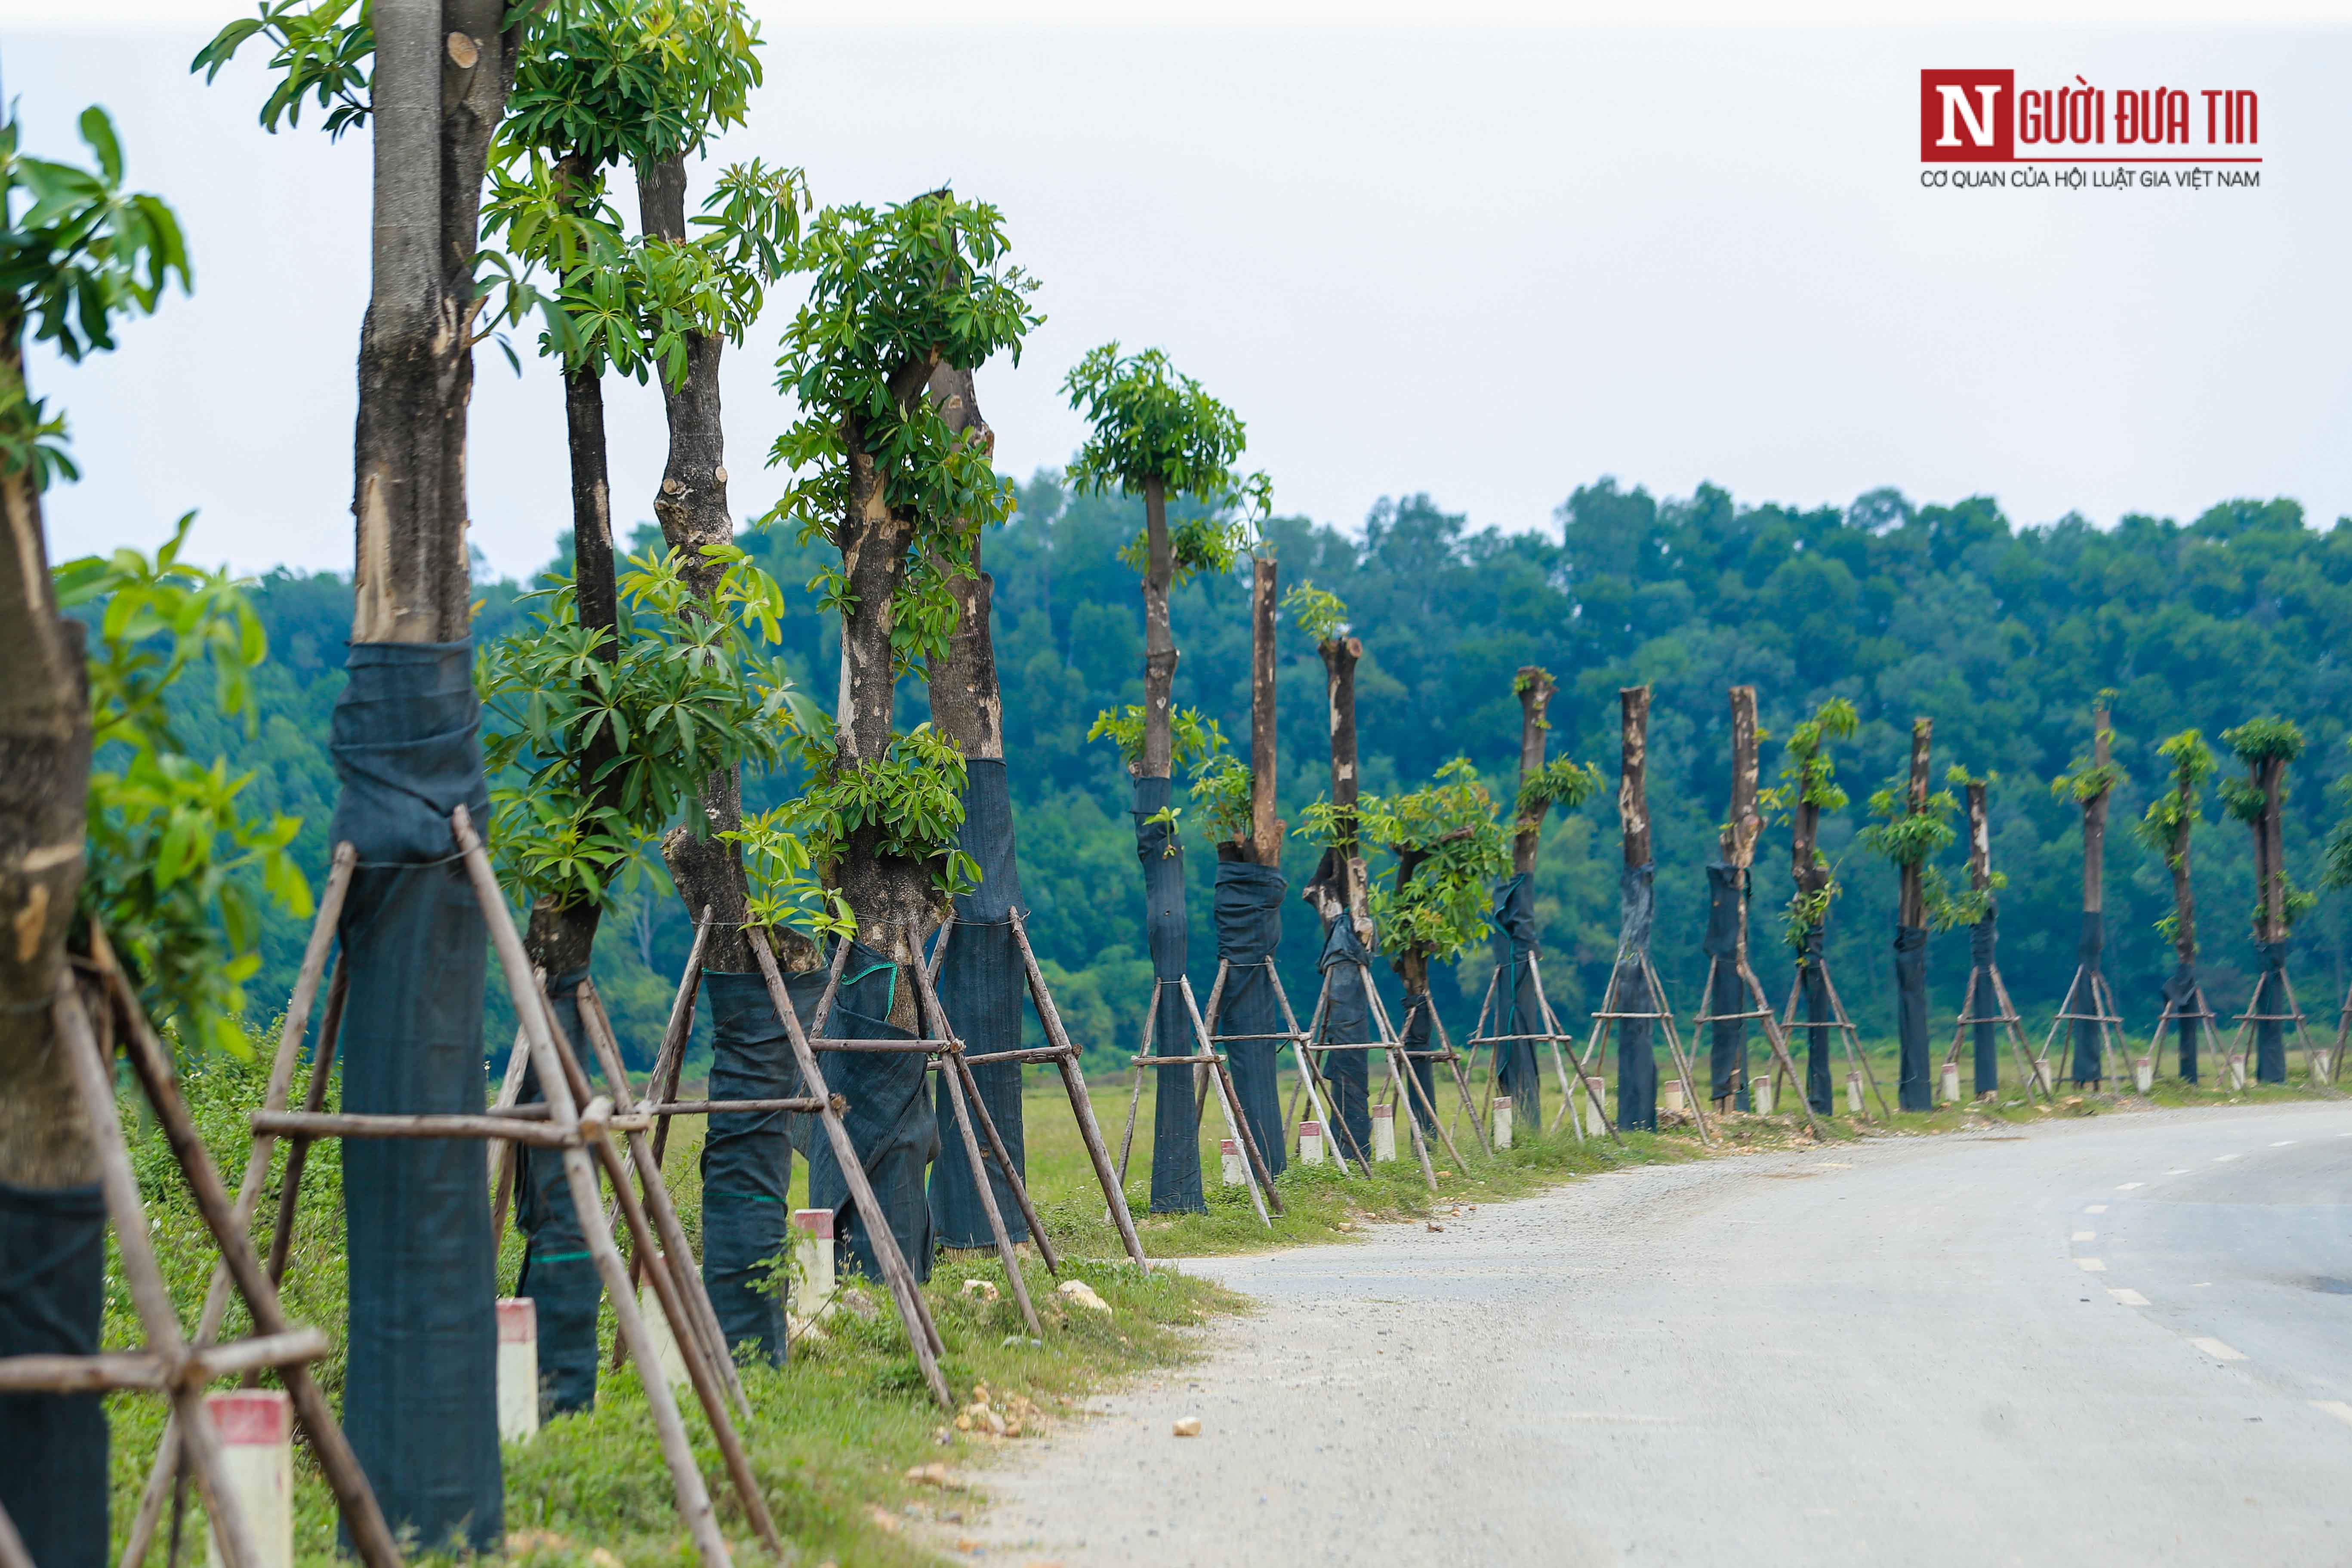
<point x="1491" y="263"/>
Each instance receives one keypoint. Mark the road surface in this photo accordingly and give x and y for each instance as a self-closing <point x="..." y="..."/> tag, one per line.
<point x="2120" y="1339"/>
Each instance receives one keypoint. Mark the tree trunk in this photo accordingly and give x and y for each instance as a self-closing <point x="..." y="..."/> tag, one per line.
<point x="1736" y="844"/>
<point x="1159" y="640"/>
<point x="1266" y="831"/>
<point x="2273" y="863"/>
<point x="966" y="705"/>
<point x="1914" y="910"/>
<point x="1339" y="882"/>
<point x="1632" y="789"/>
<point x="1637" y="1064"/>
<point x="2184" y="898"/>
<point x="1535" y="694"/>
<point x="44" y="791"/>
<point x="2095" y="819"/>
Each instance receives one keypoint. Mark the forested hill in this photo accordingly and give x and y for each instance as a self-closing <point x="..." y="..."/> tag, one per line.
<point x="2001" y="634"/>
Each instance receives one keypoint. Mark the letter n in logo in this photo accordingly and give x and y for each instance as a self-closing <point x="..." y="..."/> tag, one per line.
<point x="1966" y="117"/>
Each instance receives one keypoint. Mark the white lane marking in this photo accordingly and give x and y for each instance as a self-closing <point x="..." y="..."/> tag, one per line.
<point x="2336" y="1407"/>
<point x="2283" y="1143"/>
<point x="2217" y="1350"/>
<point x="2086" y="1235"/>
<point x="2091" y="1265"/>
<point x="1638" y="1420"/>
<point x="2129" y="1185"/>
<point x="2178" y="1171"/>
<point x="2203" y="1285"/>
<point x="2128" y="1298"/>
<point x="2218" y="1159"/>
<point x="2094" y="1208"/>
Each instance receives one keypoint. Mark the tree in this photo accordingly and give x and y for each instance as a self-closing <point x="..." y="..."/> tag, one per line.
<point x="2266" y="746"/>
<point x="894" y="295"/>
<point x="2168" y="828"/>
<point x="1913" y="827"/>
<point x="78" y="256"/>
<point x="1566" y="783"/>
<point x="1157" y="433"/>
<point x="2089" y="782"/>
<point x="1809" y="786"/>
<point x="430" y="79"/>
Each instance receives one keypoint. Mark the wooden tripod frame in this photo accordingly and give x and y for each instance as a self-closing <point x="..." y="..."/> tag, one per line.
<point x="2246" y="1021"/>
<point x="1553" y="1035"/>
<point x="2011" y="1025"/>
<point x="1309" y="1080"/>
<point x="173" y="1363"/>
<point x="1204" y="1054"/>
<point x="2202" y="1015"/>
<point x="2104" y="1013"/>
<point x="1610" y="1013"/>
<point x="1454" y="1062"/>
<point x="1393" y="1052"/>
<point x="1857" y="1061"/>
<point x="1775" y="1036"/>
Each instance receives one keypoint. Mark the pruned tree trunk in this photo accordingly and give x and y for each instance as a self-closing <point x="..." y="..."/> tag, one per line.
<point x="1983" y="1003"/>
<point x="1914" y="1091"/>
<point x="1339" y="883"/>
<point x="967" y="704"/>
<point x="1726" y="944"/>
<point x="1535" y="687"/>
<point x="1913" y="905"/>
<point x="2090" y="1035"/>
<point x="1637" y="1064"/>
<point x="1158" y="638"/>
<point x="1266" y="831"/>
<point x="2271" y="1005"/>
<point x="1812" y="877"/>
<point x="2184" y="897"/>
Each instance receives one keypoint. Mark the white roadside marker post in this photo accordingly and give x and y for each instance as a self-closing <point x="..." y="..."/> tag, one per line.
<point x="1671" y="1101"/>
<point x="813" y="1250"/>
<point x="1384" y="1132"/>
<point x="517" y="1369"/>
<point x="1759" y="1093"/>
<point x="1310" y="1142"/>
<point x="1853" y="1094"/>
<point x="1950" y="1084"/>
<point x="257" y="1429"/>
<point x="1502" y="1122"/>
<point x="666" y="1356"/>
<point x="1229" y="1164"/>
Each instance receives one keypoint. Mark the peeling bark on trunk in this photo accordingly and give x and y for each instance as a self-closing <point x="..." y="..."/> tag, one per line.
<point x="966" y="705"/>
<point x="2270" y="859"/>
<point x="1265" y="846"/>
<point x="1914" y="910"/>
<point x="1742" y="824"/>
<point x="2095" y="819"/>
<point x="1339" y="882"/>
<point x="44" y="784"/>
<point x="1159" y="640"/>
<point x="1535" y="695"/>
<point x="1633" y="785"/>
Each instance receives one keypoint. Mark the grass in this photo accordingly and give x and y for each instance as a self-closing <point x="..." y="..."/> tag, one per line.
<point x="836" y="1433"/>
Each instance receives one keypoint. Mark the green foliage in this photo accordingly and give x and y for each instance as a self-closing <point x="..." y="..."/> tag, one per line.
<point x="82" y="253"/>
<point x="1194" y="734"/>
<point x="631" y="81"/>
<point x="1318" y="613"/>
<point x="1949" y="907"/>
<point x="171" y="842"/>
<point x="1809" y="776"/>
<point x="779" y="870"/>
<point x="2259" y="741"/>
<point x="1904" y="836"/>
<point x="1153" y="422"/>
<point x="323" y="50"/>
<point x="2192" y="765"/>
<point x="1221" y="790"/>
<point x="2084" y="781"/>
<point x="1806" y="911"/>
<point x="680" y="691"/>
<point x="1212" y="544"/>
<point x="912" y="800"/>
<point x="1562" y="782"/>
<point x="891" y="294"/>
<point x="1449" y="851"/>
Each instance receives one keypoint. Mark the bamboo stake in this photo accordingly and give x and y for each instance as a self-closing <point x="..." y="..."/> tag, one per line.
<point x="1073" y="1084"/>
<point x="297" y="1150"/>
<point x="1261" y="1184"/>
<point x="1584" y="1077"/>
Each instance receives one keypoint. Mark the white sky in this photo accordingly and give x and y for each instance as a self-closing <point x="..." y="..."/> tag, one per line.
<point x="1490" y="262"/>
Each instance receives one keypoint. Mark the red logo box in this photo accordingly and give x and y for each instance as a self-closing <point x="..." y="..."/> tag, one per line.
<point x="1967" y="117"/>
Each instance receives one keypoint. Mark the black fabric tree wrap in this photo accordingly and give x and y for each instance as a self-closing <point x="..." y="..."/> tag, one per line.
<point x="558" y="1274"/>
<point x="889" y="1116"/>
<point x="1414" y="1038"/>
<point x="1517" y="1009"/>
<point x="1175" y="1147"/>
<point x="2180" y="995"/>
<point x="2088" y="1066"/>
<point x="1249" y="928"/>
<point x="1813" y="980"/>
<point x="747" y="1164"/>
<point x="2271" y="1005"/>
<point x="1347" y="1021"/>
<point x="1984" y="1004"/>
<point x="981" y="985"/>
<point x="1728" y="1035"/>
<point x="1637" y="1061"/>
<point x="1913" y="1091"/>
<point x="420" y="1388"/>
<point x="53" y="1447"/>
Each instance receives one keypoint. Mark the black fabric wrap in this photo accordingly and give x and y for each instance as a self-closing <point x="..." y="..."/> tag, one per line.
<point x="1415" y="1038"/>
<point x="1913" y="1091"/>
<point x="1984" y="1004"/>
<point x="747" y="1162"/>
<point x="1813" y="980"/>
<point x="1637" y="1061"/>
<point x="1249" y="928"/>
<point x="557" y="1275"/>
<point x="1728" y="1035"/>
<point x="889" y="1118"/>
<point x="2181" y="994"/>
<point x="1175" y="1125"/>
<point x="420" y="1391"/>
<point x="2271" y="998"/>
<point x="2089" y="1066"/>
<point x="1347" y="1019"/>
<point x="1517" y="1009"/>
<point x="981" y="985"/>
<point x="52" y="1448"/>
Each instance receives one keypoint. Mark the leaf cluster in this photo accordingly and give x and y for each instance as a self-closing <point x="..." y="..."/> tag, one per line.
<point x="1317" y="611"/>
<point x="1949" y="907"/>
<point x="1808" y="775"/>
<point x="2167" y="813"/>
<point x="1193" y="734"/>
<point x="1153" y="422"/>
<point x="1221" y="792"/>
<point x="780" y="874"/>
<point x="171" y="844"/>
<point x="1214" y="544"/>
<point x="1448" y="849"/>
<point x="631" y="81"/>
<point x="2259" y="741"/>
<point x="892" y="294"/>
<point x="83" y="253"/>
<point x="1904" y="836"/>
<point x="910" y="801"/>
<point x="323" y="50"/>
<point x="1562" y="782"/>
<point x="681" y="690"/>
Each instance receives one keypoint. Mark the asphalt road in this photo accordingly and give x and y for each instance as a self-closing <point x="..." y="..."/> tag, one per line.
<point x="2122" y="1340"/>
